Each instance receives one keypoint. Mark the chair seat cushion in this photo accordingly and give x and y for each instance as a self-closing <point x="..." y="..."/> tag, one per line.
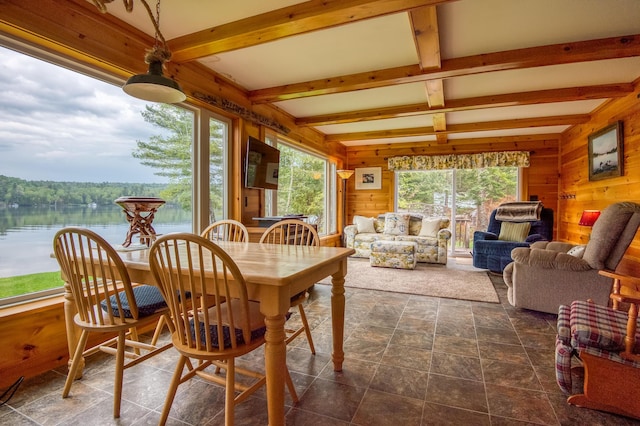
<point x="148" y="298"/>
<point x="597" y="327"/>
<point x="257" y="325"/>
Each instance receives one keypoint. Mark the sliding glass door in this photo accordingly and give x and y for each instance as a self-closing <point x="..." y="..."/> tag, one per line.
<point x="466" y="196"/>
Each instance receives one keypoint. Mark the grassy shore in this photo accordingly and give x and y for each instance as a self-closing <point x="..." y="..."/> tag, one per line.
<point x="14" y="286"/>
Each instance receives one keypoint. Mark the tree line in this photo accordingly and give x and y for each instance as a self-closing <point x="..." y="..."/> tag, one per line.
<point x="43" y="193"/>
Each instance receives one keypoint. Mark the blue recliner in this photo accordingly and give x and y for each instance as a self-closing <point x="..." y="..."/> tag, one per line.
<point x="493" y="254"/>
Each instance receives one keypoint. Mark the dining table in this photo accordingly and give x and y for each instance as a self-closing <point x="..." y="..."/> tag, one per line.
<point x="273" y="273"/>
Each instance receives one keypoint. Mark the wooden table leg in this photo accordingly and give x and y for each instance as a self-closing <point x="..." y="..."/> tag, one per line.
<point x="275" y="354"/>
<point x="337" y="315"/>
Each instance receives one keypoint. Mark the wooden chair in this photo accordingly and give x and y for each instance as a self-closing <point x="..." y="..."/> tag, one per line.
<point x="299" y="233"/>
<point x="607" y="342"/>
<point x="226" y="230"/>
<point x="187" y="265"/>
<point x="107" y="303"/>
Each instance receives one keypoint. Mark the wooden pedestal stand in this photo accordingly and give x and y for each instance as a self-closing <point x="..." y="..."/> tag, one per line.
<point x="140" y="212"/>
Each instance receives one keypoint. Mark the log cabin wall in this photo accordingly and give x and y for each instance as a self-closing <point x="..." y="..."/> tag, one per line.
<point x="540" y="179"/>
<point x="577" y="193"/>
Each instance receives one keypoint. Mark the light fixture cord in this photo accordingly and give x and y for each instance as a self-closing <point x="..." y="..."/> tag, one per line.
<point x="159" y="52"/>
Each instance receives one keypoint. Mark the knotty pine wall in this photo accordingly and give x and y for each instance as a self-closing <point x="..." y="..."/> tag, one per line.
<point x="540" y="179"/>
<point x="577" y="193"/>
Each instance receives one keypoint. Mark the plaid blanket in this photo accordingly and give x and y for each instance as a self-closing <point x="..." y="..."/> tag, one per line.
<point x="519" y="211"/>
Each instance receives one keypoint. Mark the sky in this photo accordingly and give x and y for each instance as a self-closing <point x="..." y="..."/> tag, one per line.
<point x="60" y="125"/>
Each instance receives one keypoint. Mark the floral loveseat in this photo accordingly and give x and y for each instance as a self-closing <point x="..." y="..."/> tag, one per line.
<point x="429" y="234"/>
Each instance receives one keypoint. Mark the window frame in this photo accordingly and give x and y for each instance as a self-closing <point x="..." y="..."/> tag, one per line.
<point x="454" y="177"/>
<point x="200" y="196"/>
<point x="330" y="183"/>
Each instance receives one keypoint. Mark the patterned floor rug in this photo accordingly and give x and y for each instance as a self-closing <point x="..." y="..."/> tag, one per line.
<point x="456" y="280"/>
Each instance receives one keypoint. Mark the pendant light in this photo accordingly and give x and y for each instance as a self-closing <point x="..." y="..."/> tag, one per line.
<point x="152" y="86"/>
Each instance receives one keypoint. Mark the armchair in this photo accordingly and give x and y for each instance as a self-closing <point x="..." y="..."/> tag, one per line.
<point x="549" y="274"/>
<point x="489" y="252"/>
<point x="606" y="341"/>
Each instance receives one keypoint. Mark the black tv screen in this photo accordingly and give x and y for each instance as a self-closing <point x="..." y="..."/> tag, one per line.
<point x="261" y="165"/>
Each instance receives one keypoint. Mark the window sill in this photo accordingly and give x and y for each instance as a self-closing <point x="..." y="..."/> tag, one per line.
<point x="32" y="307"/>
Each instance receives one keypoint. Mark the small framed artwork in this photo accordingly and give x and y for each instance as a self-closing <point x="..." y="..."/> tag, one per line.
<point x="606" y="158"/>
<point x="369" y="178"/>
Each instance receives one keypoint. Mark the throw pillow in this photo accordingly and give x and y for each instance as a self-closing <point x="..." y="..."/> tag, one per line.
<point x="364" y="224"/>
<point x="415" y="224"/>
<point x="396" y="224"/>
<point x="513" y="231"/>
<point x="577" y="251"/>
<point x="430" y="227"/>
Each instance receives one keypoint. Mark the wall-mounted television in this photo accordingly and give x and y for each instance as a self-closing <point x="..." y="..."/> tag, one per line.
<point x="261" y="165"/>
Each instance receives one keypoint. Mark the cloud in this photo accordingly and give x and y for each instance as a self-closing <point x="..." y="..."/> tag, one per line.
<point x="64" y="126"/>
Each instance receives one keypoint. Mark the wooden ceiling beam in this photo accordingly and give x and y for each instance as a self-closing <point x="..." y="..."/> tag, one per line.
<point x="424" y="23"/>
<point x="464" y="128"/>
<point x="297" y="19"/>
<point x="556" y="54"/>
<point x="466" y="104"/>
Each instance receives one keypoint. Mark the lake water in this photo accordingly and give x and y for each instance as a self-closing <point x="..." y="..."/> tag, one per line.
<point x="26" y="233"/>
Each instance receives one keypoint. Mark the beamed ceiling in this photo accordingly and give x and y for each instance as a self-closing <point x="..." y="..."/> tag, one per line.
<point x="398" y="71"/>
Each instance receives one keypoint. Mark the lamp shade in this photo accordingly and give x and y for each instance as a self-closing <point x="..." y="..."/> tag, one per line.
<point x="589" y="217"/>
<point x="154" y="87"/>
<point x="345" y="174"/>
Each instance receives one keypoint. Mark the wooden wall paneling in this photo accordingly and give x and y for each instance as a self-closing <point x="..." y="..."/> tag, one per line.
<point x="600" y="194"/>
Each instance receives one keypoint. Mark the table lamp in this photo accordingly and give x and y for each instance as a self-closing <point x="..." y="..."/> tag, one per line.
<point x="588" y="218"/>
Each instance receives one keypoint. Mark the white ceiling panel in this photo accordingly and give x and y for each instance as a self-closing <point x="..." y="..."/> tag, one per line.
<point x="552" y="77"/>
<point x="474" y="27"/>
<point x="379" y="125"/>
<point x="181" y="17"/>
<point x="363" y="46"/>
<point x="545" y="130"/>
<point x="401" y="94"/>
<point x="524" y="111"/>
<point x="413" y="139"/>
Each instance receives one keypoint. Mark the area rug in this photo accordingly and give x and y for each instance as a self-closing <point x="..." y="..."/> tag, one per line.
<point x="456" y="280"/>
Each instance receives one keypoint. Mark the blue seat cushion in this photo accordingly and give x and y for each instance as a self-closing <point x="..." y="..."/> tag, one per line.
<point x="148" y="298"/>
<point x="213" y="329"/>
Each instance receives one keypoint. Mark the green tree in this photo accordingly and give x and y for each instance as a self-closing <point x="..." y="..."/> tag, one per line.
<point x="486" y="188"/>
<point x="301" y="184"/>
<point x="169" y="153"/>
<point x="417" y="190"/>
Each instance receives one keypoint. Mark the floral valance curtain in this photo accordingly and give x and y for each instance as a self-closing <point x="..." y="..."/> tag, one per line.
<point x="460" y="161"/>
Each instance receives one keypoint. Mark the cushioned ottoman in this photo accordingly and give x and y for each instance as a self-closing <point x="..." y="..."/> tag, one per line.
<point x="393" y="254"/>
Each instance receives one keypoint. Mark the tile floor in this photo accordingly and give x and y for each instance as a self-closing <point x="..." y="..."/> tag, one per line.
<point x="410" y="360"/>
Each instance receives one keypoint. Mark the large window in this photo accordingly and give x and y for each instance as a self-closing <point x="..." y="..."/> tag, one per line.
<point x="72" y="143"/>
<point x="477" y="193"/>
<point x="306" y="185"/>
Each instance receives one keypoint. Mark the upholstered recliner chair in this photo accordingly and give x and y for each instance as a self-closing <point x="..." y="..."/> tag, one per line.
<point x="493" y="252"/>
<point x="549" y="274"/>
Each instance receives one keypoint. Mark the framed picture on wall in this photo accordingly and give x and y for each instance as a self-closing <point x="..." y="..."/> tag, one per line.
<point x="606" y="158"/>
<point x="369" y="178"/>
